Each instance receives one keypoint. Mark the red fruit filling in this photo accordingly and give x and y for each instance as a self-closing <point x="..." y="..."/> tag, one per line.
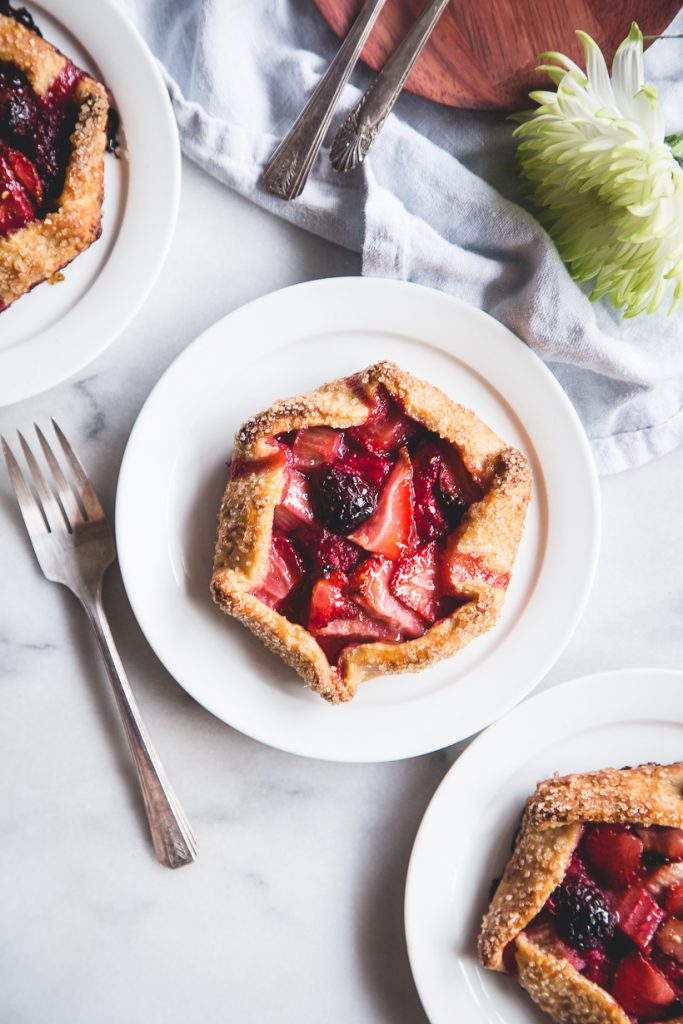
<point x="619" y="912"/>
<point x="34" y="143"/>
<point x="360" y="531"/>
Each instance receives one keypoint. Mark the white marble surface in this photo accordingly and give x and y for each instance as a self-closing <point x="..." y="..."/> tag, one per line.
<point x="293" y="911"/>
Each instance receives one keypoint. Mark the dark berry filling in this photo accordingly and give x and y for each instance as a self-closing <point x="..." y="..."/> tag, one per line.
<point x="35" y="143"/>
<point x="361" y="532"/>
<point x="618" y="917"/>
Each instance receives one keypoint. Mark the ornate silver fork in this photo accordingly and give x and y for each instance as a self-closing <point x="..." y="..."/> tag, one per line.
<point x="287" y="170"/>
<point x="74" y="546"/>
<point x="363" y="124"/>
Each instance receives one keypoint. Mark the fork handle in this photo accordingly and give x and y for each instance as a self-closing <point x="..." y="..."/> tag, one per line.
<point x="363" y="124"/>
<point x="288" y="168"/>
<point x="174" y="843"/>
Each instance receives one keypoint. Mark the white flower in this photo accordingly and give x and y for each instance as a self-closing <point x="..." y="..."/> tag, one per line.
<point x="609" y="188"/>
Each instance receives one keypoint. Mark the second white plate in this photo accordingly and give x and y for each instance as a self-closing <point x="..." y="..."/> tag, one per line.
<point x="53" y="332"/>
<point x="601" y="721"/>
<point x="174" y="472"/>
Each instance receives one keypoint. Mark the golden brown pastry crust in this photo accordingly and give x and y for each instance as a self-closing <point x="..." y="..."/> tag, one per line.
<point x="41" y="248"/>
<point x="551" y="827"/>
<point x="490" y="531"/>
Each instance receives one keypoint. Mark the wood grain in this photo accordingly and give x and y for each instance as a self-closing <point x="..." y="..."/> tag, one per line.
<point x="483" y="53"/>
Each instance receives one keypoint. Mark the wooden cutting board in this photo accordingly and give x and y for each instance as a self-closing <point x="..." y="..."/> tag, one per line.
<point x="482" y="53"/>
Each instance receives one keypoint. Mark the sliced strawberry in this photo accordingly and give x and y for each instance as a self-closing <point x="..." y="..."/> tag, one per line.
<point x="328" y="601"/>
<point x="390" y="530"/>
<point x="16" y="205"/>
<point x="327" y="550"/>
<point x="295" y="507"/>
<point x="26" y="174"/>
<point x="614" y="855"/>
<point x="360" y="629"/>
<point x="667" y="842"/>
<point x="545" y="936"/>
<point x="665" y="877"/>
<point x="457" y="486"/>
<point x="640" y="988"/>
<point x="370" y="586"/>
<point x="417" y="582"/>
<point x="374" y="469"/>
<point x="317" y="446"/>
<point x="598" y="967"/>
<point x="385" y="434"/>
<point x="285" y="571"/>
<point x="670" y="939"/>
<point x="671" y="969"/>
<point x="639" y="916"/>
<point x="429" y="517"/>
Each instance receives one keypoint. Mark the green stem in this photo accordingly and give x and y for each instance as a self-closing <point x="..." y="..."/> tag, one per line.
<point x="675" y="144"/>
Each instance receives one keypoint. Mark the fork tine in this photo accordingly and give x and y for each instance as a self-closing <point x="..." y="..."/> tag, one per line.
<point x="34" y="517"/>
<point x="91" y="502"/>
<point x="64" y="490"/>
<point x="54" y="514"/>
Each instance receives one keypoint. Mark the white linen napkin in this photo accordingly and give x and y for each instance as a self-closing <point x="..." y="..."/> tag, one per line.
<point x="435" y="202"/>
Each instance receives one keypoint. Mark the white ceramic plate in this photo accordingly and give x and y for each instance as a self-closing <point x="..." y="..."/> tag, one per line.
<point x="174" y="472"/>
<point x="607" y="720"/>
<point x="51" y="333"/>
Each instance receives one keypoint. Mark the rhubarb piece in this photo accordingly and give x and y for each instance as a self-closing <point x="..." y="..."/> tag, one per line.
<point x="667" y="842"/>
<point x="639" y="916"/>
<point x="663" y="878"/>
<point x="295" y="507"/>
<point x="673" y="900"/>
<point x="285" y="571"/>
<point x="670" y="939"/>
<point x="545" y="936"/>
<point x="390" y="531"/>
<point x="317" y="446"/>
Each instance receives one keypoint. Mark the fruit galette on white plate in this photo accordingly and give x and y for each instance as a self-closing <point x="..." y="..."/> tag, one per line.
<point x="369" y="527"/>
<point x="588" y="915"/>
<point x="53" y="136"/>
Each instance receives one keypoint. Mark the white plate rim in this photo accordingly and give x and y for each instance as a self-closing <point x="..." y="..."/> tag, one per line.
<point x="523" y="721"/>
<point x="334" y="293"/>
<point x="33" y="366"/>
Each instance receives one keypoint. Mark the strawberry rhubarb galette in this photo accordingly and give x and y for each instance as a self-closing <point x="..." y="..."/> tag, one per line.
<point x="588" y="915"/>
<point x="368" y="527"/>
<point x="53" y="135"/>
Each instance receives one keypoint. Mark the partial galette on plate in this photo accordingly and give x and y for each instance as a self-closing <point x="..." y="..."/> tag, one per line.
<point x="588" y="915"/>
<point x="369" y="527"/>
<point x="53" y="136"/>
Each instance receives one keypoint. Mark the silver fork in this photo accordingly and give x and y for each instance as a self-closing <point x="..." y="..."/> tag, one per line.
<point x="288" y="169"/>
<point x="74" y="546"/>
<point x="363" y="124"/>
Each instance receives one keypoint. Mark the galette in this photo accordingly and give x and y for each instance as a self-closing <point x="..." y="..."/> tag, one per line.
<point x="53" y="136"/>
<point x="588" y="916"/>
<point x="369" y="527"/>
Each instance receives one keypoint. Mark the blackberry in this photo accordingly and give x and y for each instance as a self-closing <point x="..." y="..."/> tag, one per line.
<point x="582" y="916"/>
<point x="344" y="499"/>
